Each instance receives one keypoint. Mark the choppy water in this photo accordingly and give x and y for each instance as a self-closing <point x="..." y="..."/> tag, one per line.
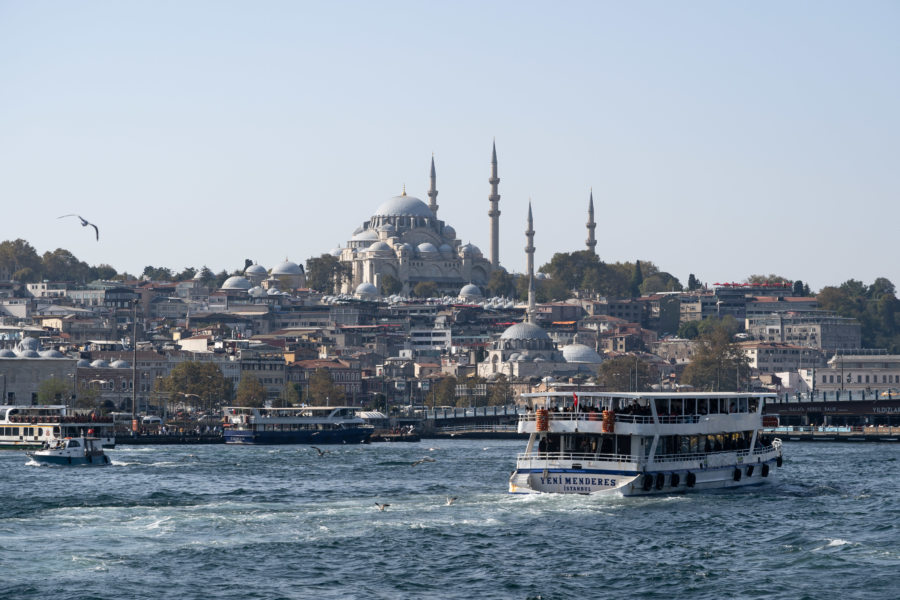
<point x="282" y="522"/>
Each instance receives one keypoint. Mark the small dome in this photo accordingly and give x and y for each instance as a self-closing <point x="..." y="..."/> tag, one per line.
<point x="446" y="249"/>
<point x="449" y="233"/>
<point x="336" y="252"/>
<point x="83" y="363"/>
<point x="7" y="353"/>
<point x="540" y="275"/>
<point x="524" y="331"/>
<point x="379" y="247"/>
<point x="236" y="282"/>
<point x="287" y="268"/>
<point x="515" y="356"/>
<point x="198" y="275"/>
<point x="470" y="250"/>
<point x="387" y="228"/>
<point x="273" y="291"/>
<point x="52" y="353"/>
<point x="470" y="291"/>
<point x="405" y="247"/>
<point x="255" y="269"/>
<point x="403" y="206"/>
<point x="579" y="353"/>
<point x="100" y="364"/>
<point x="29" y="354"/>
<point x="427" y="247"/>
<point x="366" y="289"/>
<point x="120" y="364"/>
<point x="256" y="292"/>
<point x="366" y="235"/>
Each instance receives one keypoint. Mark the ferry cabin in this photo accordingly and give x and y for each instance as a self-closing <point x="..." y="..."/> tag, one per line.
<point x="295" y="425"/>
<point x="641" y="442"/>
<point x="29" y="427"/>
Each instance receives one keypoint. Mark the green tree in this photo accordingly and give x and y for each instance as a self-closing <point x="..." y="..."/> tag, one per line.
<point x="200" y="380"/>
<point x="445" y="391"/>
<point x="322" y="391"/>
<point x="21" y="260"/>
<point x="693" y="284"/>
<point x="186" y="274"/>
<point x="501" y="392"/>
<point x="660" y="282"/>
<point x="390" y="285"/>
<point x="290" y="396"/>
<point x="500" y="283"/>
<point x="157" y="273"/>
<point x="425" y="289"/>
<point x="718" y="364"/>
<point x="103" y="272"/>
<point x="53" y="391"/>
<point x="625" y="374"/>
<point x="772" y="278"/>
<point x="637" y="278"/>
<point x="689" y="330"/>
<point x="87" y="398"/>
<point x="61" y="265"/>
<point x="250" y="392"/>
<point x="325" y="272"/>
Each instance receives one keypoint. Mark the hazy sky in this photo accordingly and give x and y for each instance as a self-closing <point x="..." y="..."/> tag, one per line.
<point x="722" y="139"/>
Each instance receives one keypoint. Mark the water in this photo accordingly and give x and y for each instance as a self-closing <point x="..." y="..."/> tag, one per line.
<point x="282" y="522"/>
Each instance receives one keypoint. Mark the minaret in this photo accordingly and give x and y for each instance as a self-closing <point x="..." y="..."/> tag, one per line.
<point x="591" y="226"/>
<point x="432" y="193"/>
<point x="529" y="251"/>
<point x="494" y="213"/>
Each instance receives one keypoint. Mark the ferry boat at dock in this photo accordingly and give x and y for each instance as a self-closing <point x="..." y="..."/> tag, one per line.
<point x="75" y="452"/>
<point x="30" y="427"/>
<point x="295" y="425"/>
<point x="639" y="444"/>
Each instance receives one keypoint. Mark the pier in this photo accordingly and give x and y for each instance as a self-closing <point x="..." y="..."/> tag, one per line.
<point x="835" y="434"/>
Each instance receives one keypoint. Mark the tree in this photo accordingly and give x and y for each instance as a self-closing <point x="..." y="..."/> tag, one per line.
<point x="881" y="287"/>
<point x="289" y="394"/>
<point x="500" y="283"/>
<point x="19" y="258"/>
<point x="201" y="380"/>
<point x="800" y="289"/>
<point x="500" y="393"/>
<point x="53" y="391"/>
<point x="718" y="364"/>
<point x="250" y="393"/>
<point x="425" y="289"/>
<point x="693" y="284"/>
<point x="689" y="330"/>
<point x="390" y="285"/>
<point x="772" y="278"/>
<point x="207" y="277"/>
<point x="186" y="275"/>
<point x="86" y="398"/>
<point x="322" y="391"/>
<point x="445" y="391"/>
<point x="157" y="273"/>
<point x="325" y="273"/>
<point x="660" y="282"/>
<point x="637" y="278"/>
<point x="61" y="265"/>
<point x="624" y="374"/>
<point x="102" y="271"/>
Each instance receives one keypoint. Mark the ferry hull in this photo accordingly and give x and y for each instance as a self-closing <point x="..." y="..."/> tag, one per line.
<point x="651" y="482"/>
<point x="337" y="436"/>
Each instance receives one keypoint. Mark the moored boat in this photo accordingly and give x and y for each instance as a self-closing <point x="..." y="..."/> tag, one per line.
<point x="30" y="427"/>
<point x="295" y="425"/>
<point x="643" y="443"/>
<point x="74" y="451"/>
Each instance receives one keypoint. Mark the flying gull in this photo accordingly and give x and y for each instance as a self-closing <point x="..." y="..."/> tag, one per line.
<point x="84" y="223"/>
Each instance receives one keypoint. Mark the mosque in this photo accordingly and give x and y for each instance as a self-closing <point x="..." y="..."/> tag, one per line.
<point x="405" y="240"/>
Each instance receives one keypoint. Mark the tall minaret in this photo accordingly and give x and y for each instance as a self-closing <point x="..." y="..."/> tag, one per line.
<point x="432" y="193"/>
<point x="529" y="251"/>
<point x="591" y="226"/>
<point x="494" y="213"/>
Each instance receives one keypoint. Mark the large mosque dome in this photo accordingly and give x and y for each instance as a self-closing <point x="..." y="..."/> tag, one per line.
<point x="403" y="206"/>
<point x="287" y="268"/>
<point x="236" y="282"/>
<point x="524" y="331"/>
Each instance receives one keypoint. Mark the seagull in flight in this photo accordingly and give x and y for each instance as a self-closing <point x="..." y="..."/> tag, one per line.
<point x="451" y="500"/>
<point x="84" y="223"/>
<point x="423" y="460"/>
<point x="381" y="507"/>
<point x="320" y="451"/>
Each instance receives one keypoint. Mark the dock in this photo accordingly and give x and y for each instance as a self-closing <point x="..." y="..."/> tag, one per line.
<point x="835" y="434"/>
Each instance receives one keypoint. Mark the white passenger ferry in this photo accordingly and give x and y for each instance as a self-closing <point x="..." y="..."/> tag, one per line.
<point x="643" y="443"/>
<point x="29" y="427"/>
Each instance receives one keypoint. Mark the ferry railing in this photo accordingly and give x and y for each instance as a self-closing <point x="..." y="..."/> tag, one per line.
<point x="575" y="456"/>
<point x="479" y="428"/>
<point x="699" y="456"/>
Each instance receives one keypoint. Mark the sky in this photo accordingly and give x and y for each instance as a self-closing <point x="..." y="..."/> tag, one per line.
<point x="720" y="139"/>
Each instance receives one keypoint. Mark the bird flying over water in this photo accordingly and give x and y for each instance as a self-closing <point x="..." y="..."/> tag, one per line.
<point x="321" y="452"/>
<point x="423" y="460"/>
<point x="381" y="507"/>
<point x="84" y="223"/>
<point x="451" y="500"/>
